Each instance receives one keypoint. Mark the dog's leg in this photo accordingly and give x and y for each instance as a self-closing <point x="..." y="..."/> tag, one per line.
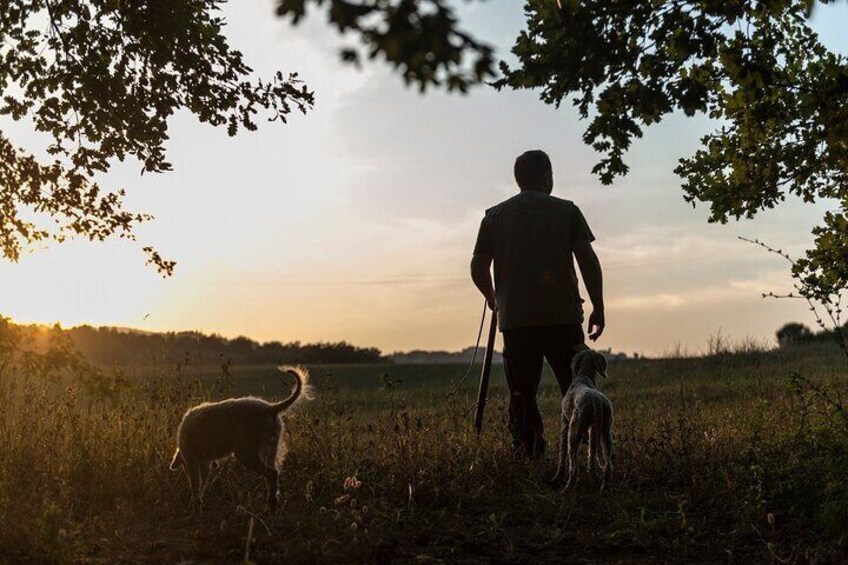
<point x="563" y="450"/>
<point x="600" y="454"/>
<point x="575" y="434"/>
<point x="599" y="430"/>
<point x="607" y="444"/>
<point x="193" y="471"/>
<point x="253" y="461"/>
<point x="594" y="446"/>
<point x="204" y="476"/>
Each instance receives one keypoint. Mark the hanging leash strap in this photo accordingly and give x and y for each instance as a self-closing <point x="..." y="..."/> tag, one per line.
<point x="486" y="372"/>
<point x="473" y="357"/>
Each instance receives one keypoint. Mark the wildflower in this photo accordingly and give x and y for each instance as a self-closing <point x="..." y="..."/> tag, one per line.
<point x="352" y="483"/>
<point x="342" y="500"/>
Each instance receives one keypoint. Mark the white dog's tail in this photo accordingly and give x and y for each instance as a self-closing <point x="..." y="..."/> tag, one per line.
<point x="302" y="389"/>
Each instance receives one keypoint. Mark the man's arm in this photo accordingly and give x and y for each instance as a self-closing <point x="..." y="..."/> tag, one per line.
<point x="593" y="278"/>
<point x="482" y="277"/>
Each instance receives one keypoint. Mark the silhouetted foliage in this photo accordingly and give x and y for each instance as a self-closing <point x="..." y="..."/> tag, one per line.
<point x="823" y="302"/>
<point x="48" y="354"/>
<point x="419" y="356"/>
<point x="45" y="351"/>
<point x="102" y="79"/>
<point x="113" y="345"/>
<point x="757" y="68"/>
<point x="794" y="334"/>
<point x="420" y="38"/>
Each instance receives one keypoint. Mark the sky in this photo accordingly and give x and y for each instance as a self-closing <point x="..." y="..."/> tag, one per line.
<point x="356" y="221"/>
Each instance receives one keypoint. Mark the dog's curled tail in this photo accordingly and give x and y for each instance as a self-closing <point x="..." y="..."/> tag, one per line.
<point x="302" y="388"/>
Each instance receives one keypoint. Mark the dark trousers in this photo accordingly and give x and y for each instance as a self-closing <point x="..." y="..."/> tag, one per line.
<point x="524" y="352"/>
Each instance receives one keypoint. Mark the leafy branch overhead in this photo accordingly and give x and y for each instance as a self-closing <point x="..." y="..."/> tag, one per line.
<point x="421" y="39"/>
<point x="102" y="79"/>
<point x="755" y="67"/>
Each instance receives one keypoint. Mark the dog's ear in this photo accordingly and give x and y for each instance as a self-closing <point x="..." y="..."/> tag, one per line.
<point x="602" y="365"/>
<point x="577" y="359"/>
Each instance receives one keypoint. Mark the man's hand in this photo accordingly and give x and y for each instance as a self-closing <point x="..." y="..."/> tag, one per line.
<point x="590" y="268"/>
<point x="490" y="300"/>
<point x="596" y="324"/>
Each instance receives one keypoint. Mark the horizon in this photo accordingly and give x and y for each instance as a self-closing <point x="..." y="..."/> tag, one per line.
<point x="359" y="218"/>
<point x="673" y="352"/>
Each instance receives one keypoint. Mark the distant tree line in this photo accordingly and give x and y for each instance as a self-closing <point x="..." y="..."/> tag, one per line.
<point x="106" y="345"/>
<point x="795" y="334"/>
<point x="417" y="356"/>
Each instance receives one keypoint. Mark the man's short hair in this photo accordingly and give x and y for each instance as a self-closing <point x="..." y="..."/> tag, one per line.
<point x="532" y="168"/>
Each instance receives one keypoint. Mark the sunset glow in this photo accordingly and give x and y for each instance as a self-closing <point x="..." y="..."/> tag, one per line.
<point x="356" y="222"/>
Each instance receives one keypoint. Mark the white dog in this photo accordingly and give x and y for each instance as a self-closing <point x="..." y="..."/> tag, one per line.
<point x="249" y="428"/>
<point x="586" y="415"/>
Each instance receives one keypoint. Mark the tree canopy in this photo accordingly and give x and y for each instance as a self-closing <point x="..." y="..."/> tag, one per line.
<point x="421" y="39"/>
<point x="102" y="79"/>
<point x="108" y="346"/>
<point x="778" y="96"/>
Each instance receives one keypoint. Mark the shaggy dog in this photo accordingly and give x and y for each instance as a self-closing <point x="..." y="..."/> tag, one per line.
<point x="248" y="428"/>
<point x="586" y="415"/>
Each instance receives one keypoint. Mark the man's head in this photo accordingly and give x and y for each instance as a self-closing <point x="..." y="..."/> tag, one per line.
<point x="533" y="171"/>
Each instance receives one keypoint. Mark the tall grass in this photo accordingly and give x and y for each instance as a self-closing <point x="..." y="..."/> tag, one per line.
<point x="717" y="459"/>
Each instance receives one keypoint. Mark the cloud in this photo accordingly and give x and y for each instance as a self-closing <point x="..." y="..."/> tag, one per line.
<point x="441" y="156"/>
<point x="647" y="302"/>
<point x="776" y="281"/>
<point x="730" y="291"/>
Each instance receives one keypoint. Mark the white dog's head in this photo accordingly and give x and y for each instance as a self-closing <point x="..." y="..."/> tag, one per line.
<point x="589" y="363"/>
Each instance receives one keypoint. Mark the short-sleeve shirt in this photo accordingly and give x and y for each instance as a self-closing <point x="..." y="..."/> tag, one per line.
<point x="531" y="239"/>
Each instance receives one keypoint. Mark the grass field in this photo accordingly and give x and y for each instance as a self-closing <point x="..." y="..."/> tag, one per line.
<point x="718" y="459"/>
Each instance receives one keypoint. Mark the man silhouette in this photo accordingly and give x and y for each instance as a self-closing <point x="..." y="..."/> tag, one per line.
<point x="533" y="239"/>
